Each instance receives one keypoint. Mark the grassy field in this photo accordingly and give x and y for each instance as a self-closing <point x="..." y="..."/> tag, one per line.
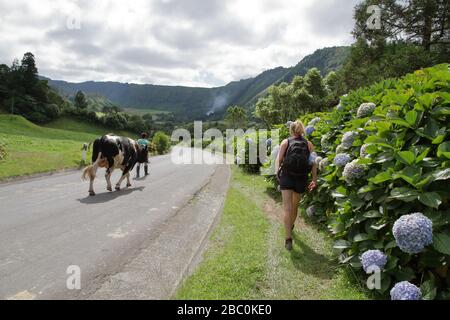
<point x="246" y="258"/>
<point x="141" y="112"/>
<point x="35" y="149"/>
<point x="71" y="124"/>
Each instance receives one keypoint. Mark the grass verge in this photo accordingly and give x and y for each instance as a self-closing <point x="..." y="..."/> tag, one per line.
<point x="246" y="258"/>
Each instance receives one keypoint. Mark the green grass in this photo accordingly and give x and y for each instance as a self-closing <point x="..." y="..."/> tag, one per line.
<point x="71" y="124"/>
<point x="35" y="149"/>
<point x="141" y="112"/>
<point x="246" y="258"/>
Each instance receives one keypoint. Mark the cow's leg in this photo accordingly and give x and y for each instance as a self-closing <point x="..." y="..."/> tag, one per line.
<point x="92" y="174"/>
<point x="119" y="183"/>
<point x="128" y="180"/>
<point x="126" y="174"/>
<point x="108" y="178"/>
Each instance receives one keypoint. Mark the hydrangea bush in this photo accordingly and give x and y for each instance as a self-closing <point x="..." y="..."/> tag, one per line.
<point x="405" y="291"/>
<point x="310" y="130"/>
<point x="413" y="232"/>
<point x="366" y="110"/>
<point x="341" y="159"/>
<point x="363" y="151"/>
<point x="373" y="258"/>
<point x="387" y="165"/>
<point x="311" y="211"/>
<point x="348" y="139"/>
<point x="353" y="171"/>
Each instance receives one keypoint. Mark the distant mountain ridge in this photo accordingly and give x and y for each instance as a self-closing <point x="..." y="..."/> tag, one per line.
<point x="198" y="103"/>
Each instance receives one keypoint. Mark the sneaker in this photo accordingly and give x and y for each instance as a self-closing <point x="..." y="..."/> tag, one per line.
<point x="288" y="244"/>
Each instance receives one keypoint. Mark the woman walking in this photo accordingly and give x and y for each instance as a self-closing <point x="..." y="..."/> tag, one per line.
<point x="293" y="168"/>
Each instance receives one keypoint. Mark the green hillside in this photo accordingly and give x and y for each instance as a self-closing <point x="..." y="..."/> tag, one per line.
<point x="33" y="149"/>
<point x="71" y="124"/>
<point x="326" y="60"/>
<point x="197" y="103"/>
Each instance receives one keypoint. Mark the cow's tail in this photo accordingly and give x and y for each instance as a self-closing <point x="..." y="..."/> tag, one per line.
<point x="89" y="172"/>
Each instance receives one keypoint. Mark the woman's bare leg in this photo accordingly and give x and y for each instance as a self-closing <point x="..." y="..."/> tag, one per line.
<point x="296" y="197"/>
<point x="287" y="205"/>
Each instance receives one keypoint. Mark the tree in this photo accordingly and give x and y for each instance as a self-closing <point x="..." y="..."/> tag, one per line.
<point x="29" y="71"/>
<point x="314" y="83"/>
<point x="80" y="101"/>
<point x="331" y="82"/>
<point x="236" y="117"/>
<point x="266" y="111"/>
<point x="425" y="22"/>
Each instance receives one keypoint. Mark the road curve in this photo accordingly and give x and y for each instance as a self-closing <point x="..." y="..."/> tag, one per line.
<point x="50" y="223"/>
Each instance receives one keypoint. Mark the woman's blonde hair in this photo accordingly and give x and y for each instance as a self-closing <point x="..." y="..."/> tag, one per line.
<point x="297" y="129"/>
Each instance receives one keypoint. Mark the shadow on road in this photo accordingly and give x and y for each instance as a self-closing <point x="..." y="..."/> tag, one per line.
<point x="109" y="196"/>
<point x="141" y="178"/>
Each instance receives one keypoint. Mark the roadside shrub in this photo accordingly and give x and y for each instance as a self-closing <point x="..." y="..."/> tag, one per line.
<point x="162" y="142"/>
<point x="380" y="168"/>
<point x="251" y="147"/>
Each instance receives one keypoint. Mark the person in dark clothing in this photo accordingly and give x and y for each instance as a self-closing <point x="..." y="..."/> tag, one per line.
<point x="143" y="154"/>
<point x="294" y="181"/>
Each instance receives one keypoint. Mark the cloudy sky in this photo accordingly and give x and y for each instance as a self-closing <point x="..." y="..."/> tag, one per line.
<point x="173" y="42"/>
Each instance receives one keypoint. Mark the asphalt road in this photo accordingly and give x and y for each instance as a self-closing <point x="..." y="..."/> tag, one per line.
<point x="50" y="223"/>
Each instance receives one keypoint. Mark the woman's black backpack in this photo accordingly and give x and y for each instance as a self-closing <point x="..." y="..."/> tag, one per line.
<point x="296" y="160"/>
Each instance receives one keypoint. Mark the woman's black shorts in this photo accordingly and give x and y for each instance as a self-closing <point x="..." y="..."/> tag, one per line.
<point x="296" y="184"/>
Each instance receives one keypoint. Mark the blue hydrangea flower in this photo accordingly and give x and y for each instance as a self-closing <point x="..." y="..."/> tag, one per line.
<point x="311" y="211"/>
<point x="373" y="258"/>
<point x="318" y="160"/>
<point x="362" y="153"/>
<point x="405" y="291"/>
<point x="413" y="232"/>
<point x="366" y="110"/>
<point x="323" y="164"/>
<point x="341" y="159"/>
<point x="310" y="130"/>
<point x="353" y="171"/>
<point x="348" y="139"/>
<point x="312" y="158"/>
<point x="314" y="121"/>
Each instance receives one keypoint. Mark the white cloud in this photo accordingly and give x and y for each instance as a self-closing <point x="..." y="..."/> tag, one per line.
<point x="174" y="42"/>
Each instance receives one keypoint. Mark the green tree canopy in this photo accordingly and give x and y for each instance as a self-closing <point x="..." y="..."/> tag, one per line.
<point x="236" y="117"/>
<point x="80" y="100"/>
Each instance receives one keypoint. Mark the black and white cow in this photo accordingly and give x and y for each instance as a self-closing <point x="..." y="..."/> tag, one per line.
<point x="112" y="152"/>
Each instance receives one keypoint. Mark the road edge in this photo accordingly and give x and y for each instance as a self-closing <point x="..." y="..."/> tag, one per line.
<point x="197" y="257"/>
